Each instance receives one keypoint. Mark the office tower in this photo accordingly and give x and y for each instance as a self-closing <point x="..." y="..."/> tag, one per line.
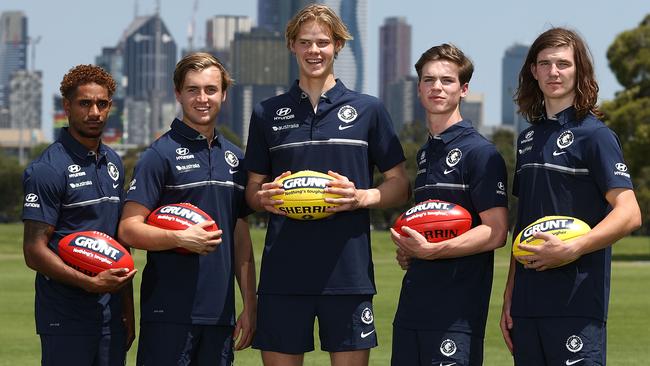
<point x="220" y="32"/>
<point x="260" y="68"/>
<point x="13" y="50"/>
<point x="351" y="63"/>
<point x="394" y="52"/>
<point x="149" y="53"/>
<point x="402" y="102"/>
<point x="25" y="99"/>
<point x="273" y="15"/>
<point x="511" y="64"/>
<point x="471" y="108"/>
<point x="112" y="60"/>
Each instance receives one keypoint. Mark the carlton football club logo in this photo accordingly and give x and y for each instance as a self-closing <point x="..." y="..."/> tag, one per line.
<point x="366" y="316"/>
<point x="113" y="172"/>
<point x="448" y="347"/>
<point x="454" y="157"/>
<point x="574" y="344"/>
<point x="231" y="159"/>
<point x="565" y="139"/>
<point x="347" y="114"/>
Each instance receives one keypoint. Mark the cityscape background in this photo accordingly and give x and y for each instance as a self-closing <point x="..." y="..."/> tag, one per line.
<point x="139" y="42"/>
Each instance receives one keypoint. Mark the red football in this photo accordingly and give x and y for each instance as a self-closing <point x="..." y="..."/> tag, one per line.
<point x="435" y="220"/>
<point x="92" y="252"/>
<point x="179" y="216"/>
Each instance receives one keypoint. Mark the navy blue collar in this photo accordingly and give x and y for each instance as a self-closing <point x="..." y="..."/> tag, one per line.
<point x="72" y="144"/>
<point x="329" y="96"/>
<point x="563" y="117"/>
<point x="453" y="131"/>
<point x="189" y="133"/>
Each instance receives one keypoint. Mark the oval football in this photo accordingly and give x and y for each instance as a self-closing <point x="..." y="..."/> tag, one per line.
<point x="92" y="252"/>
<point x="304" y="195"/>
<point x="436" y="220"/>
<point x="564" y="227"/>
<point x="179" y="216"/>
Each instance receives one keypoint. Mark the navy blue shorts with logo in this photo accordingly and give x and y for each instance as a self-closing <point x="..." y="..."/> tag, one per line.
<point x="423" y="347"/>
<point x="559" y="341"/>
<point x="285" y="323"/>
<point x="163" y="344"/>
<point x="83" y="350"/>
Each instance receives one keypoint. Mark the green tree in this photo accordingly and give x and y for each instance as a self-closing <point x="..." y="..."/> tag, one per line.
<point x="11" y="189"/>
<point x="629" y="113"/>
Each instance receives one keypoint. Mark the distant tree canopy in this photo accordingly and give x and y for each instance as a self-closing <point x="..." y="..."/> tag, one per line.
<point x="629" y="113"/>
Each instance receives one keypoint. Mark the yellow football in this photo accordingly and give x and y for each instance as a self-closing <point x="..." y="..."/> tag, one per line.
<point x="304" y="195"/>
<point x="564" y="227"/>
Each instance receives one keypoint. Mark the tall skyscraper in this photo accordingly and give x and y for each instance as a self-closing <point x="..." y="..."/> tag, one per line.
<point x="26" y="89"/>
<point x="273" y="15"/>
<point x="402" y="102"/>
<point x="350" y="66"/>
<point x="394" y="52"/>
<point x="150" y="57"/>
<point x="13" y="50"/>
<point x="511" y="64"/>
<point x="220" y="32"/>
<point x="260" y="66"/>
<point x="142" y="69"/>
<point x="471" y="108"/>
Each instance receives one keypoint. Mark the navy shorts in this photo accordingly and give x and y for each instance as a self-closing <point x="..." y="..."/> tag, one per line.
<point x="432" y="347"/>
<point x="170" y="344"/>
<point x="285" y="323"/>
<point x="559" y="341"/>
<point x="83" y="350"/>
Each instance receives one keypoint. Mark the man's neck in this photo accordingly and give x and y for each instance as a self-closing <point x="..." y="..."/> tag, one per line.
<point x="438" y="123"/>
<point x="555" y="106"/>
<point x="315" y="87"/>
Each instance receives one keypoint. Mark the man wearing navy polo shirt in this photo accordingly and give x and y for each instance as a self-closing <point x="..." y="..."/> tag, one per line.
<point x="187" y="300"/>
<point x="320" y="268"/>
<point x="77" y="185"/>
<point x="443" y="305"/>
<point x="568" y="163"/>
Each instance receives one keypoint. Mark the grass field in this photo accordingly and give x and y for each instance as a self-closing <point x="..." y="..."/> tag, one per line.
<point x="628" y="328"/>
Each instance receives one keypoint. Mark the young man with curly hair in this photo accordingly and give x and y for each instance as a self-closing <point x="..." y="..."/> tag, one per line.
<point x="77" y="185"/>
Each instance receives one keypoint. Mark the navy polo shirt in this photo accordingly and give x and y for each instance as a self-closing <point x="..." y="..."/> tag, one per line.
<point x="565" y="167"/>
<point x="350" y="133"/>
<point x="462" y="167"/>
<point x="180" y="167"/>
<point x="74" y="189"/>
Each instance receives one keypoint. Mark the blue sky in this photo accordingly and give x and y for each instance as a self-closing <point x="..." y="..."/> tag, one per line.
<point x="74" y="31"/>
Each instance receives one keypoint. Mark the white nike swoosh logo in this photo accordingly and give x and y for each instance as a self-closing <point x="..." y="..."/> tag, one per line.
<point x="555" y="153"/>
<point x="569" y="362"/>
<point x="341" y="128"/>
<point x="448" y="171"/>
<point x="115" y="185"/>
<point x="232" y="171"/>
<point x="364" y="335"/>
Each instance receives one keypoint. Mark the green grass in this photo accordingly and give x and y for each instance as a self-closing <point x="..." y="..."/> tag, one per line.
<point x="628" y="328"/>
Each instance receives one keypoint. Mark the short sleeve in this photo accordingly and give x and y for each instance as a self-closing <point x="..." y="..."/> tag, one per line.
<point x="488" y="179"/>
<point x="44" y="193"/>
<point x="257" y="159"/>
<point x="604" y="159"/>
<point x="148" y="179"/>
<point x="385" y="149"/>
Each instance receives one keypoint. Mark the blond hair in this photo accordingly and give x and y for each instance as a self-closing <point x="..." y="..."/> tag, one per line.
<point x="323" y="15"/>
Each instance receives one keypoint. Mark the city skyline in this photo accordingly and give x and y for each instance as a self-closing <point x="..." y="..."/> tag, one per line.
<point x="67" y="41"/>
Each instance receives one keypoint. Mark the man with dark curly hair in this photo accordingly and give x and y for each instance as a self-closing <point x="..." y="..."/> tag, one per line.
<point x="76" y="185"/>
